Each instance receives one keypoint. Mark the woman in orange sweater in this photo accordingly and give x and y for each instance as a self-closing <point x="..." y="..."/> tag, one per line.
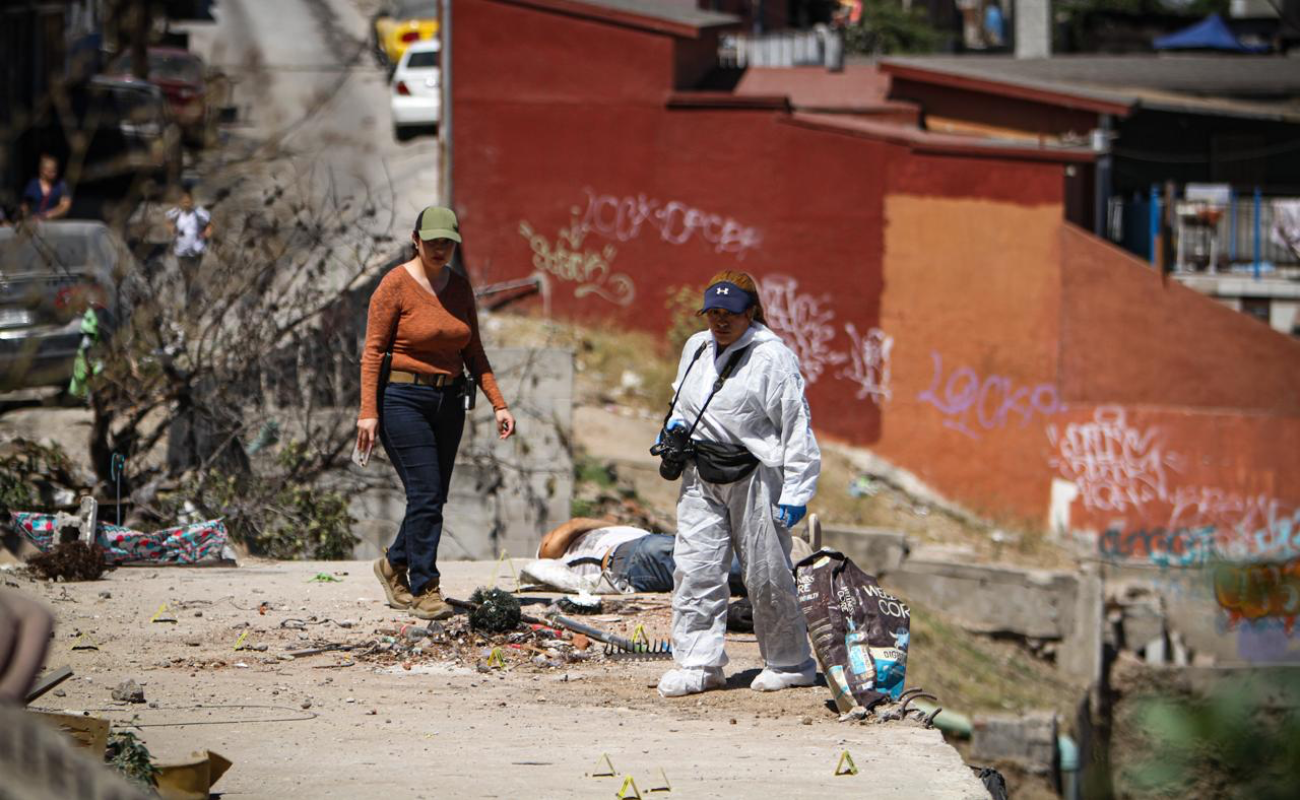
<point x="423" y="313"/>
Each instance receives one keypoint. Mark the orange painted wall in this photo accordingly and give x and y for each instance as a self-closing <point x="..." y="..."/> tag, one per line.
<point x="972" y="300"/>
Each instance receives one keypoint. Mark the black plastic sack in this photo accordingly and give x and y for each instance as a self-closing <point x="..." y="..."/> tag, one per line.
<point x="859" y="632"/>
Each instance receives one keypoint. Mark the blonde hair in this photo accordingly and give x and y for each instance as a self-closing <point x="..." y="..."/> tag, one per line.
<point x="746" y="282"/>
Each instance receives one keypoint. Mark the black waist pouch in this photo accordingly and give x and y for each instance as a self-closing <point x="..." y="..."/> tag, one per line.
<point x="723" y="463"/>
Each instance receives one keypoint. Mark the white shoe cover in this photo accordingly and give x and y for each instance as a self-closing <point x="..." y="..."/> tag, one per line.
<point x="774" y="679"/>
<point x="679" y="682"/>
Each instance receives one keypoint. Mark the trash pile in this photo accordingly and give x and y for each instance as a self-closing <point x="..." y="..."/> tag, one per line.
<point x="482" y="639"/>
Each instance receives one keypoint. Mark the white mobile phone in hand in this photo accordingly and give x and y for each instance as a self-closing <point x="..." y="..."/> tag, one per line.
<point x="361" y="457"/>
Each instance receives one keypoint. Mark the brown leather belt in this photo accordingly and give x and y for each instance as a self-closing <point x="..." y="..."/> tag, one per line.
<point x="402" y="376"/>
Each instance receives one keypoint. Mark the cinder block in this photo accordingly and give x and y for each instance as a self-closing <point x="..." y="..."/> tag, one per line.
<point x="504" y="495"/>
<point x="1028" y="740"/>
<point x="877" y="551"/>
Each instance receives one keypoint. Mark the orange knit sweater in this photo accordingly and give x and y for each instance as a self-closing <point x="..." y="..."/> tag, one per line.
<point x="429" y="334"/>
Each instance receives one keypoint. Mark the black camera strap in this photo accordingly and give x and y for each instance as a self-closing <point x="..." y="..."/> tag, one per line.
<point x="732" y="360"/>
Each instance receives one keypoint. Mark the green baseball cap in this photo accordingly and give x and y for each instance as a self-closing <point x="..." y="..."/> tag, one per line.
<point x="436" y="222"/>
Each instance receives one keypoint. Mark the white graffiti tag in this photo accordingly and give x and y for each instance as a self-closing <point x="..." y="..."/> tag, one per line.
<point x="567" y="260"/>
<point x="802" y="321"/>
<point x="869" y="363"/>
<point x="621" y="219"/>
<point x="1116" y="467"/>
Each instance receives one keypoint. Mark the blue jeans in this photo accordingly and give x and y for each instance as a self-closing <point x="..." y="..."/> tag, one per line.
<point x="420" y="430"/>
<point x="647" y="565"/>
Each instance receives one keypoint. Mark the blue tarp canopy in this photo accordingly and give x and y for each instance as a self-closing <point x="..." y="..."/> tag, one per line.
<point x="1211" y="33"/>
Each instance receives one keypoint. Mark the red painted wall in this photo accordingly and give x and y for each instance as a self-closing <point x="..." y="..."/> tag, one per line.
<point x="1132" y="337"/>
<point x="991" y="110"/>
<point x="943" y="313"/>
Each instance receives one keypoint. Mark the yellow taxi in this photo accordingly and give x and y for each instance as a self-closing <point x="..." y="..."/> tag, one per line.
<point x="402" y="22"/>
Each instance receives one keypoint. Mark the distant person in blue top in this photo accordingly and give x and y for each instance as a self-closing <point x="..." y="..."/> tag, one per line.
<point x="46" y="197"/>
<point x="994" y="25"/>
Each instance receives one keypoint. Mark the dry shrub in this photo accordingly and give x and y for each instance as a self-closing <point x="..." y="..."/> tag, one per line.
<point x="71" y="561"/>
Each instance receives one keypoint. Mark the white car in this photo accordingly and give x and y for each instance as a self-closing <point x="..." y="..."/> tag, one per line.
<point x="417" y="88"/>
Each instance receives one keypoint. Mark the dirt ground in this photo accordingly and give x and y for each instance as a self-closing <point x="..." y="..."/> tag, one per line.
<point x="367" y="723"/>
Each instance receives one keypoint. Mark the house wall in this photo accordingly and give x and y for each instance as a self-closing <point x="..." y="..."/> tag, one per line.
<point x="944" y="314"/>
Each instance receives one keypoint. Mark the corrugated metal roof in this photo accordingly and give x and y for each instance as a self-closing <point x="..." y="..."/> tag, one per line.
<point x="1262" y="87"/>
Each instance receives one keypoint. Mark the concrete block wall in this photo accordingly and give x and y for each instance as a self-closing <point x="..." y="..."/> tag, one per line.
<point x="504" y="495"/>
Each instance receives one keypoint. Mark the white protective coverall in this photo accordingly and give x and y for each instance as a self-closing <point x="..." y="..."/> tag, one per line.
<point x="761" y="406"/>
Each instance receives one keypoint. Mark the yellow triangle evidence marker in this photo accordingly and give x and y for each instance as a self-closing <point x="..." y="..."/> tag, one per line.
<point x="497" y="659"/>
<point x="851" y="769"/>
<point x="604" y="768"/>
<point x="505" y="556"/>
<point x="85" y="642"/>
<point x="240" y="641"/>
<point x="639" y="635"/>
<point x="666" y="787"/>
<point x="628" y="783"/>
<point x="159" y="612"/>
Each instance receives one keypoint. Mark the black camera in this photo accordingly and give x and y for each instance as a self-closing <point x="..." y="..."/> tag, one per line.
<point x="673" y="448"/>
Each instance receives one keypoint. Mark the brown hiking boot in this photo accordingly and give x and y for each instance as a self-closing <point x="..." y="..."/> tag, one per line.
<point x="394" y="583"/>
<point x="430" y="605"/>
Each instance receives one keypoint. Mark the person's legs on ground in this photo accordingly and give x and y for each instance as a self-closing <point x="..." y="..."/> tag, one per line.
<point x="390" y="568"/>
<point x="410" y="423"/>
<point x="702" y="553"/>
<point x="764" y="549"/>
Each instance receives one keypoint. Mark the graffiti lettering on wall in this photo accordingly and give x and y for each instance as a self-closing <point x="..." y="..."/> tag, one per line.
<point x="868" y="365"/>
<point x="591" y="270"/>
<point x="969" y="401"/>
<point x="805" y="323"/>
<point x="1181" y="547"/>
<point x="622" y="219"/>
<point x="1116" y="467"/>
<point x="1255" y="591"/>
<point x="807" y="326"/>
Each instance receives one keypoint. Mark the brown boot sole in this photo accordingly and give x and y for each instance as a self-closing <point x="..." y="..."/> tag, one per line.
<point x="393" y="602"/>
<point x="442" y="613"/>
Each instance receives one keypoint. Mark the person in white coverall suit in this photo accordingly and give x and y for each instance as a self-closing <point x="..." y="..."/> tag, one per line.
<point x="758" y="413"/>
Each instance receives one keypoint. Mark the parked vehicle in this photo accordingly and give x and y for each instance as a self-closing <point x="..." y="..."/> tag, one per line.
<point x="416" y="91"/>
<point x="50" y="273"/>
<point x="182" y="76"/>
<point x="128" y="132"/>
<point x="399" y="25"/>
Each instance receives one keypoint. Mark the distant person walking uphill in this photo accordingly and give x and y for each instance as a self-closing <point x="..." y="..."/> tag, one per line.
<point x="422" y="319"/>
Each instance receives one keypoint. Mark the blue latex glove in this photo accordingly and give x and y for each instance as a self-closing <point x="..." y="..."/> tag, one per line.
<point x="673" y="424"/>
<point x="789" y="516"/>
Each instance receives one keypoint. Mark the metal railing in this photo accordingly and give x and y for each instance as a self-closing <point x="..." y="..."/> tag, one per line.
<point x="820" y="46"/>
<point x="1223" y="231"/>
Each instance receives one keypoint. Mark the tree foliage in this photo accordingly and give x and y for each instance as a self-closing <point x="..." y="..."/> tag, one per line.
<point x="887" y="28"/>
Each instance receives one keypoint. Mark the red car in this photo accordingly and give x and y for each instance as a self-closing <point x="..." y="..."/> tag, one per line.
<point x="182" y="77"/>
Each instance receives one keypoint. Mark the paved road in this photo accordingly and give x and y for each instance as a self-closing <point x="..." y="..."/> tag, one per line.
<point x="311" y="94"/>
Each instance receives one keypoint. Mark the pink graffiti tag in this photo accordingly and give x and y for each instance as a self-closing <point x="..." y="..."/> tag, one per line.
<point x="990" y="401"/>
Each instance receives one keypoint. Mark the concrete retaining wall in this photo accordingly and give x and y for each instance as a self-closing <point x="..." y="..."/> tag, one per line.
<point x="504" y="495"/>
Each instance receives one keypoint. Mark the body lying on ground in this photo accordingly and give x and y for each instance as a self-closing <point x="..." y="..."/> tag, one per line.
<point x="599" y="555"/>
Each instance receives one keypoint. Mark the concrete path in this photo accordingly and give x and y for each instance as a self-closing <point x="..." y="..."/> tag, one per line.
<point x="439" y="729"/>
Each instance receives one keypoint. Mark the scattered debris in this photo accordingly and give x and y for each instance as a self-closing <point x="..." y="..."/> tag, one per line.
<point x="324" y="577"/>
<point x="47" y="682"/>
<point x="128" y="691"/>
<point x="70" y="561"/>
